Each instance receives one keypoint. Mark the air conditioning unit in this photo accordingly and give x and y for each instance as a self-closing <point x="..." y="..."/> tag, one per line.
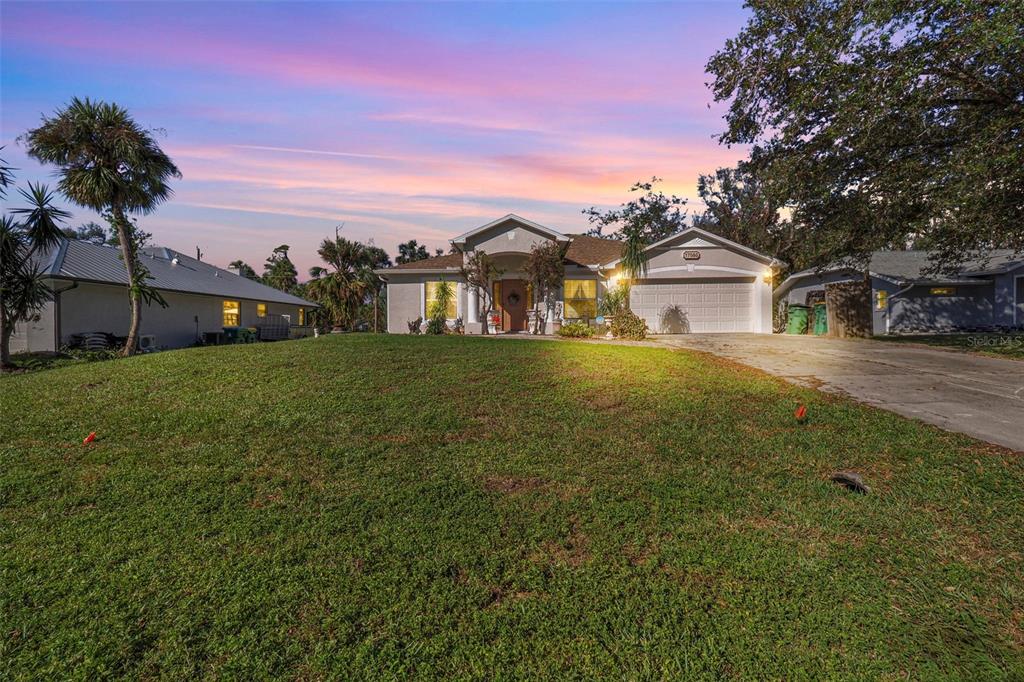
<point x="147" y="343"/>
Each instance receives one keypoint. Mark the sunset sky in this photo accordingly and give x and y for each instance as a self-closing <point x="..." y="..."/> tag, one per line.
<point x="402" y="121"/>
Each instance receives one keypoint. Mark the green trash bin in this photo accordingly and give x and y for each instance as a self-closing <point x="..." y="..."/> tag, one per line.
<point x="797" y="321"/>
<point x="820" y="319"/>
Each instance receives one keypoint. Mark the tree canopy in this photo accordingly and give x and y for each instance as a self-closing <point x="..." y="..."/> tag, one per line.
<point x="741" y="208"/>
<point x="279" y="271"/>
<point x="412" y="251"/>
<point x="244" y="269"/>
<point x="884" y="121"/>
<point x="639" y="223"/>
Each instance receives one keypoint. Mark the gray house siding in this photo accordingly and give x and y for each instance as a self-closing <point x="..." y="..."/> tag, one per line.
<point x="915" y="309"/>
<point x="918" y="310"/>
<point x="1008" y="304"/>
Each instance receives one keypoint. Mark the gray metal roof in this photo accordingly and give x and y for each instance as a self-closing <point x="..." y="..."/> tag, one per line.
<point x="171" y="271"/>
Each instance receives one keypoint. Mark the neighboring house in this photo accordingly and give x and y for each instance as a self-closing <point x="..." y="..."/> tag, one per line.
<point x="90" y="285"/>
<point x="696" y="281"/>
<point x="984" y="294"/>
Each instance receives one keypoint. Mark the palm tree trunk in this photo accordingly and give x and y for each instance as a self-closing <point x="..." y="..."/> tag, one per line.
<point x="5" y="344"/>
<point x="5" y="337"/>
<point x="128" y="255"/>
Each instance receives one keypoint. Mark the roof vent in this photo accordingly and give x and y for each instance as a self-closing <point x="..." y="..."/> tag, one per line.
<point x="174" y="261"/>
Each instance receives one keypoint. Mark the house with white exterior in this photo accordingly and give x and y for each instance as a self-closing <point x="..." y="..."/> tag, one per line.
<point x="89" y="282"/>
<point x="696" y="281"/>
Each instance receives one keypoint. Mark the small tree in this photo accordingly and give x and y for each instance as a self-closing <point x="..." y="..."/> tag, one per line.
<point x="411" y="251"/>
<point x="91" y="232"/>
<point x="480" y="273"/>
<point x="22" y="289"/>
<point x="438" y="313"/>
<point x="244" y="269"/>
<point x="545" y="269"/>
<point x="279" y="271"/>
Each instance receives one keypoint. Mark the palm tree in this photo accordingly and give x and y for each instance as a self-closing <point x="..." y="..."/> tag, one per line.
<point x="110" y="164"/>
<point x="634" y="256"/>
<point x="341" y="288"/>
<point x="22" y="289"/>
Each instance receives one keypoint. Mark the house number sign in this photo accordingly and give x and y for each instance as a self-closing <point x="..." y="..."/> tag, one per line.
<point x="691" y="255"/>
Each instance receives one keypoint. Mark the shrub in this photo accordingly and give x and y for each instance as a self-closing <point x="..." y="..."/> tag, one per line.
<point x="436" y="326"/>
<point x="576" y="330"/>
<point x="414" y="325"/>
<point x="615" y="301"/>
<point x="626" y="325"/>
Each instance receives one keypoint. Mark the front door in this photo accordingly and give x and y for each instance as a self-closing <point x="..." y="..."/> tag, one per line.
<point x="513" y="305"/>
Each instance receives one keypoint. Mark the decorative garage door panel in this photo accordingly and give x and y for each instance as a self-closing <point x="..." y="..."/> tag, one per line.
<point x="680" y="308"/>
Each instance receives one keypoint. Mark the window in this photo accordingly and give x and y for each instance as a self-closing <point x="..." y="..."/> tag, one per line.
<point x="942" y="291"/>
<point x="232" y="316"/>
<point x="580" y="299"/>
<point x="431" y="291"/>
<point x="881" y="299"/>
<point x="302" y="317"/>
<point x="261" y="310"/>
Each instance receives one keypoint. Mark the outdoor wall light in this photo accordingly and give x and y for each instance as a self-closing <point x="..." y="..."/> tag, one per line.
<point x="767" y="277"/>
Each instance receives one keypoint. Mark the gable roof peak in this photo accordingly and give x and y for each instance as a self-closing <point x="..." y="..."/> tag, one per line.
<point x="537" y="227"/>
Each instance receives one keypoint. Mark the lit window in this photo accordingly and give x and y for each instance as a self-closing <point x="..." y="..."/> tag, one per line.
<point x="431" y="290"/>
<point x="942" y="291"/>
<point x="302" y="317"/>
<point x="231" y="314"/>
<point x="580" y="299"/>
<point x="261" y="310"/>
<point x="881" y="299"/>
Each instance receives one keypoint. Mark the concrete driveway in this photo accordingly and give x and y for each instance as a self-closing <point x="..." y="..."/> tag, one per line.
<point x="980" y="396"/>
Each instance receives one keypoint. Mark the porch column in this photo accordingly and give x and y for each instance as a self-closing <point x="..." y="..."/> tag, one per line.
<point x="473" y="314"/>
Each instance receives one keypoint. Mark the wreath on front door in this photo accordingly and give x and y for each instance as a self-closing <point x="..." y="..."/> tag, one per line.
<point x="513" y="298"/>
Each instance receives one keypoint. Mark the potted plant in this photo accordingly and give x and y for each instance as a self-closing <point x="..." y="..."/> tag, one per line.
<point x="615" y="301"/>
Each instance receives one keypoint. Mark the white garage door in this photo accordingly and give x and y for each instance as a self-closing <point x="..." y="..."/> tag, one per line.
<point x="680" y="308"/>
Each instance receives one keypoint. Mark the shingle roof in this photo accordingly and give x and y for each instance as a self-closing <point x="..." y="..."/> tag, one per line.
<point x="905" y="267"/>
<point x="445" y="262"/>
<point x="587" y="250"/>
<point x="583" y="250"/>
<point x="171" y="271"/>
<point x="910" y="266"/>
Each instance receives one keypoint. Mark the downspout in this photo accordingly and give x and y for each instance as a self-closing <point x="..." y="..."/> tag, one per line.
<point x="56" y="315"/>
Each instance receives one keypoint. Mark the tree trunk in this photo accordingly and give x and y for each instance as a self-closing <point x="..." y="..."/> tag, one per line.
<point x="5" y="345"/>
<point x="128" y="255"/>
<point x="5" y="337"/>
<point x="848" y="306"/>
<point x="376" y="304"/>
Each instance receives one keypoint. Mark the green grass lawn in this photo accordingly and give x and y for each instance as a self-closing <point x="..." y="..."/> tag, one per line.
<point x="1009" y="345"/>
<point x="388" y="507"/>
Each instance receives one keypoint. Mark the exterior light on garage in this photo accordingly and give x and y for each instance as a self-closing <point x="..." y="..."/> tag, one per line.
<point x="767" y="276"/>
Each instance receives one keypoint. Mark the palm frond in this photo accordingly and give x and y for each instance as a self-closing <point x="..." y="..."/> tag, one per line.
<point x="41" y="218"/>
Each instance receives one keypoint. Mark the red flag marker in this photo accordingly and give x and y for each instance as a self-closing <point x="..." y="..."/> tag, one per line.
<point x="90" y="438"/>
<point x="801" y="413"/>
